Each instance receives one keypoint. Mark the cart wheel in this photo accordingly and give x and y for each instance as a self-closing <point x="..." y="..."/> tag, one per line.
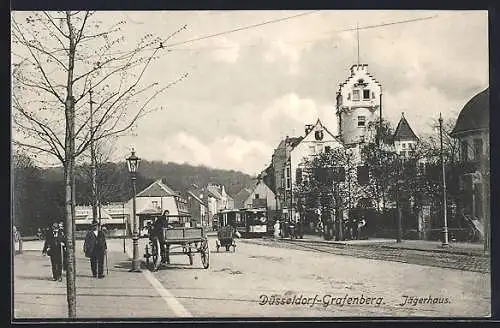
<point x="205" y="254"/>
<point x="167" y="254"/>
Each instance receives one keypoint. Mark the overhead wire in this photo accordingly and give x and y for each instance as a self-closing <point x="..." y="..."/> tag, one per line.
<point x="308" y="41"/>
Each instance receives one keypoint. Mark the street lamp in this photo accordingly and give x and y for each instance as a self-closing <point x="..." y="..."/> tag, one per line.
<point x="133" y="164"/>
<point x="445" y="215"/>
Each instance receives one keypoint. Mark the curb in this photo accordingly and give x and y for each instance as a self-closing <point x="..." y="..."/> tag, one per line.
<point x="434" y="250"/>
<point x="437" y="250"/>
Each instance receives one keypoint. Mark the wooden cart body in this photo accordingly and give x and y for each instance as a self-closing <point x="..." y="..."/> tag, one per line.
<point x="226" y="238"/>
<point x="178" y="241"/>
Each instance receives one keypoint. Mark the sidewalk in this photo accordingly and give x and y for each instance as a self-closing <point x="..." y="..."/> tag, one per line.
<point x="121" y="294"/>
<point x="476" y="249"/>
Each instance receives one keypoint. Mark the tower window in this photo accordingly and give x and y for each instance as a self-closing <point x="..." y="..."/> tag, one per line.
<point x="366" y="94"/>
<point x="464" y="151"/>
<point x="361" y="121"/>
<point x="478" y="148"/>
<point x="355" y="95"/>
<point x="404" y="145"/>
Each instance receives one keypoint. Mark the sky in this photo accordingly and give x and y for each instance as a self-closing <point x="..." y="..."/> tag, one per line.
<point x="248" y="89"/>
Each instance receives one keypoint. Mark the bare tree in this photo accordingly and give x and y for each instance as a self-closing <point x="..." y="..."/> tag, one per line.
<point x="59" y="58"/>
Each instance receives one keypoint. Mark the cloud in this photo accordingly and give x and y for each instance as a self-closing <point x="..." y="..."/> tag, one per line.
<point x="291" y="106"/>
<point x="228" y="51"/>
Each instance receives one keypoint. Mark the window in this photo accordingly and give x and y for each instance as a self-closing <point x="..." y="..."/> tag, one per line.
<point x="155" y="203"/>
<point x="349" y="96"/>
<point x="256" y="196"/>
<point x="327" y="149"/>
<point x="403" y="145"/>
<point x="355" y="95"/>
<point x="298" y="175"/>
<point x="361" y="121"/>
<point x="478" y="148"/>
<point x="288" y="180"/>
<point x="463" y="151"/>
<point x="312" y="149"/>
<point x="366" y="94"/>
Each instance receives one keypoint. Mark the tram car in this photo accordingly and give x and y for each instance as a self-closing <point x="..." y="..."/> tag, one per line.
<point x="248" y="222"/>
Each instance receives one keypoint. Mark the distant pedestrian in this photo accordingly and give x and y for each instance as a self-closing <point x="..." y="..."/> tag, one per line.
<point x="276" y="229"/>
<point x="52" y="247"/>
<point x="361" y="226"/>
<point x="95" y="248"/>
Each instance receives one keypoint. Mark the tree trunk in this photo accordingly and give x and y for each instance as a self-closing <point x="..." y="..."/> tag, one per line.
<point x="69" y="176"/>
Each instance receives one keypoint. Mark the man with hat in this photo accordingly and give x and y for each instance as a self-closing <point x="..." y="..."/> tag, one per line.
<point x="95" y="248"/>
<point x="53" y="246"/>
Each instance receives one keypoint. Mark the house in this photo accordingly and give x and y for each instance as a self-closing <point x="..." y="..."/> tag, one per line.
<point x="405" y="140"/>
<point x="241" y="197"/>
<point x="261" y="196"/>
<point x="157" y="198"/>
<point x="472" y="131"/>
<point x="113" y="216"/>
<point x="197" y="207"/>
<point x="288" y="160"/>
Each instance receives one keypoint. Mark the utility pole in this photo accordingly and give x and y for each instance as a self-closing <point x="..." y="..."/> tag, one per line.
<point x="445" y="216"/>
<point x="93" y="172"/>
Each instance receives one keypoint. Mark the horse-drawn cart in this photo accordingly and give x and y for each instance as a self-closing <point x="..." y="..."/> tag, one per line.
<point x="177" y="241"/>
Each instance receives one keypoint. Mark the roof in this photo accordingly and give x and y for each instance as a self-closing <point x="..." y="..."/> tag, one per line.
<point x="241" y="196"/>
<point x="157" y="189"/>
<point x="404" y="131"/>
<point x="475" y="114"/>
<point x="294" y="141"/>
<point x="214" y="191"/>
<point x="198" y="199"/>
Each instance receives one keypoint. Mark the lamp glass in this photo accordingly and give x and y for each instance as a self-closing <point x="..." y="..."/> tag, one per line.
<point x="133" y="162"/>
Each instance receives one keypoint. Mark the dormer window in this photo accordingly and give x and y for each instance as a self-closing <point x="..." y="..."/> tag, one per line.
<point x="355" y="95"/>
<point x="366" y="94"/>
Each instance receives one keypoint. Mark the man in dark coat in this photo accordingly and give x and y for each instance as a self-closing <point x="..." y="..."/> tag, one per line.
<point x="95" y="248"/>
<point x="54" y="242"/>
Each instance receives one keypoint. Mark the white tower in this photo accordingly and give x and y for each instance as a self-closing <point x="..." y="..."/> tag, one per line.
<point x="358" y="106"/>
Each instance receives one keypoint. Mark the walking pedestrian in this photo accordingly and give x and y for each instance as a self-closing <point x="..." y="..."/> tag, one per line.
<point x="95" y="248"/>
<point x="53" y="248"/>
<point x="63" y="235"/>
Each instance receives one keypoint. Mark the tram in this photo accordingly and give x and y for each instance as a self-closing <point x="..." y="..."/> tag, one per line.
<point x="249" y="222"/>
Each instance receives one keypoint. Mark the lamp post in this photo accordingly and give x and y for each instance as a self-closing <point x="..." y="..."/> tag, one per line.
<point x="133" y="164"/>
<point x="445" y="214"/>
<point x="399" y="182"/>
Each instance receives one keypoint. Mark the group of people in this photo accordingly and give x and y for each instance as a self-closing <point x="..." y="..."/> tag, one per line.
<point x="94" y="247"/>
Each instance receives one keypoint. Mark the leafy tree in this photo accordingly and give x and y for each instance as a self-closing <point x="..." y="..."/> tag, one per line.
<point x="330" y="184"/>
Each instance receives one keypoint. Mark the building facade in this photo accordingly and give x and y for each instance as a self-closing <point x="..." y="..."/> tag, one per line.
<point x="261" y="196"/>
<point x="155" y="199"/>
<point x="472" y="132"/>
<point x="358" y="106"/>
<point x="405" y="140"/>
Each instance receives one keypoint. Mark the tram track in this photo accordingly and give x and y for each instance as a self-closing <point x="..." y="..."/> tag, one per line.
<point x="461" y="262"/>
